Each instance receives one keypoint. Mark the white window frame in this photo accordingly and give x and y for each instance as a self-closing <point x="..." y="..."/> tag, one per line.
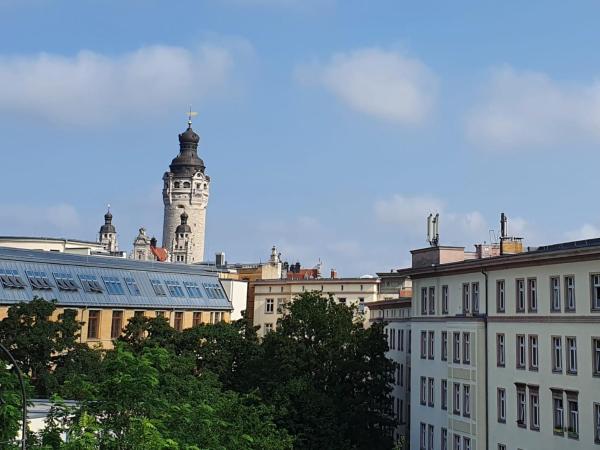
<point x="500" y="296"/>
<point x="555" y="300"/>
<point x="500" y="350"/>
<point x="571" y="342"/>
<point x="570" y="294"/>
<point x="501" y="405"/>
<point x="557" y="355"/>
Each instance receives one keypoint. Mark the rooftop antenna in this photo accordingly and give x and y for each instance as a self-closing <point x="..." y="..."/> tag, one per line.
<point x="433" y="231"/>
<point x="190" y="115"/>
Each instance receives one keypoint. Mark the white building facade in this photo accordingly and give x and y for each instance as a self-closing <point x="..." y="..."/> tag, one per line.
<point x="506" y="350"/>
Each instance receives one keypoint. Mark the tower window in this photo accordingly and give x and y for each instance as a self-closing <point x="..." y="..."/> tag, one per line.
<point x="186" y="184"/>
<point x="198" y="185"/>
<point x="177" y="185"/>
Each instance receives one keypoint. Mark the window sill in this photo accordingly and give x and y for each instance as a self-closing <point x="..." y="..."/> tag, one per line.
<point x="573" y="435"/>
<point x="521" y="424"/>
<point x="559" y="432"/>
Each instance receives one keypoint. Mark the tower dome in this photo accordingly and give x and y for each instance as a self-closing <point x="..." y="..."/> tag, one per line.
<point x="108" y="227"/>
<point x="183" y="227"/>
<point x="187" y="163"/>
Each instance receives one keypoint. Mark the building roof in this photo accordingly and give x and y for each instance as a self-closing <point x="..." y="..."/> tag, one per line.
<point x="160" y="253"/>
<point x="48" y="239"/>
<point x="151" y="278"/>
<point x="548" y="254"/>
<point x="319" y="281"/>
<point x="187" y="163"/>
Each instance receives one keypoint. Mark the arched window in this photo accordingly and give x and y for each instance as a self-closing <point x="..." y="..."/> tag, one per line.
<point x="186" y="184"/>
<point x="177" y="185"/>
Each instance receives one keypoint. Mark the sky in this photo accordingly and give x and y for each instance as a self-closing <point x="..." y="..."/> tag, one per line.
<point x="329" y="128"/>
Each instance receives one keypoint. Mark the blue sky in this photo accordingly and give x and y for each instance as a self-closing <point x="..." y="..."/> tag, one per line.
<point x="329" y="128"/>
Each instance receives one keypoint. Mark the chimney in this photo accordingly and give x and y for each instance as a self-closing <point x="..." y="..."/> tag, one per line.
<point x="333" y="274"/>
<point x="153" y="242"/>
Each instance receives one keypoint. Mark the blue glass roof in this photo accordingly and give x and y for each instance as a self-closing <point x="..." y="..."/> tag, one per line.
<point x="100" y="281"/>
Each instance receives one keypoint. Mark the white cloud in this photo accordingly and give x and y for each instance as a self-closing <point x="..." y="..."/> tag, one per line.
<point x="90" y="87"/>
<point x="61" y="220"/>
<point x="529" y="109"/>
<point x="384" y="84"/>
<point x="587" y="231"/>
<point x="409" y="215"/>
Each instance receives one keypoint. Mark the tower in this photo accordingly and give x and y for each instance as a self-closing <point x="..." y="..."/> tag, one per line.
<point x="185" y="190"/>
<point x="108" y="234"/>
<point x="181" y="249"/>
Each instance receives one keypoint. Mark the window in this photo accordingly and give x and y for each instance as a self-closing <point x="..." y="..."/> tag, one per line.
<point x="113" y="286"/>
<point x="556" y="353"/>
<point x="401" y="340"/>
<point x="116" y="325"/>
<point x="501" y="447"/>
<point x="132" y="287"/>
<point x="193" y="289"/>
<point x="175" y="289"/>
<point x="475" y="297"/>
<point x="501" y="405"/>
<point x="432" y="300"/>
<point x="466" y="400"/>
<point x="269" y="306"/>
<point x="444" y="439"/>
<point x="430" y="437"/>
<point x="401" y="375"/>
<point x="444" y="391"/>
<point x="520" y="286"/>
<point x="196" y="318"/>
<point x="570" y="293"/>
<point x="444" y="346"/>
<point x="573" y="415"/>
<point x="159" y="289"/>
<point x="500" y="296"/>
<point x="466" y="443"/>
<point x="456" y="398"/>
<point x="280" y="305"/>
<point x="93" y="323"/>
<point x="520" y="351"/>
<point x="533" y="352"/>
<point x="423" y="390"/>
<point x="423" y="344"/>
<point x="423" y="301"/>
<point x="534" y="408"/>
<point x="431" y="346"/>
<point x="456" y="442"/>
<point x="596" y="418"/>
<point x="532" y="294"/>
<point x="456" y="347"/>
<point x="558" y="412"/>
<point x="160" y="314"/>
<point x="268" y="328"/>
<point x="431" y="389"/>
<point x="467" y="348"/>
<point x="500" y="350"/>
<point x="178" y="320"/>
<point x="555" y="294"/>
<point x="444" y="299"/>
<point x="596" y="356"/>
<point x="423" y="437"/>
<point x="521" y="406"/>
<point x="596" y="292"/>
<point x="90" y="284"/>
<point x="465" y="298"/>
<point x="38" y="280"/>
<point x="10" y="279"/>
<point x="571" y="355"/>
<point x="409" y="342"/>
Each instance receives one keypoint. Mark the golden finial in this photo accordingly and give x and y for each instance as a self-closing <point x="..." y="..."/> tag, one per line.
<point x="190" y="115"/>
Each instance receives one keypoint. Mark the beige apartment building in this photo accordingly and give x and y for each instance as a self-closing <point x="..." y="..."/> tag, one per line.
<point x="270" y="295"/>
<point x="506" y="347"/>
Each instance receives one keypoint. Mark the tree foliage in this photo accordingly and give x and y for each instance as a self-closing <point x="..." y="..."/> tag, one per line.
<point x="320" y="380"/>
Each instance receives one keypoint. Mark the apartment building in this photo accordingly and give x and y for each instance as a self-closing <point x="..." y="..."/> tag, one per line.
<point x="395" y="313"/>
<point x="105" y="292"/>
<point x="505" y="347"/>
<point x="271" y="295"/>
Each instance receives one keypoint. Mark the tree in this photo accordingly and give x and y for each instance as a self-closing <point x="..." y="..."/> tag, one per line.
<point x="36" y="339"/>
<point x="328" y="376"/>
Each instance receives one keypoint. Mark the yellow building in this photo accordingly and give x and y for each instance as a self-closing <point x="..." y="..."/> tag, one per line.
<point x="106" y="292"/>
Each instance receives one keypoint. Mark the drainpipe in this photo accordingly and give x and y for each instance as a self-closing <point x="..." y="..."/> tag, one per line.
<point x="485" y="321"/>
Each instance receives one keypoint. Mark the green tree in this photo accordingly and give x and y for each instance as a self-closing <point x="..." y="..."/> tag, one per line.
<point x="328" y="376"/>
<point x="36" y="339"/>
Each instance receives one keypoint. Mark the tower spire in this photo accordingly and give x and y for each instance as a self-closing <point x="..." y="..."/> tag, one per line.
<point x="190" y="115"/>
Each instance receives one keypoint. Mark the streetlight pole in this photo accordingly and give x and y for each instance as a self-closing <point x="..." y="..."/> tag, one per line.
<point x="23" y="396"/>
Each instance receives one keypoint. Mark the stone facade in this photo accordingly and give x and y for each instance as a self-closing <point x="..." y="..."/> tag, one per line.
<point x="186" y="189"/>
